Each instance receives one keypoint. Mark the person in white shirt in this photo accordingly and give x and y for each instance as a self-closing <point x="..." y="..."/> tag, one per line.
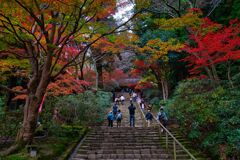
<point x="142" y="104"/>
<point x="116" y="101"/>
<point x="122" y="98"/>
<point x="134" y="96"/>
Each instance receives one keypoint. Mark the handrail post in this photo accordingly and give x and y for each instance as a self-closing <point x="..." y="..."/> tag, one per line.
<point x="166" y="140"/>
<point x="174" y="150"/>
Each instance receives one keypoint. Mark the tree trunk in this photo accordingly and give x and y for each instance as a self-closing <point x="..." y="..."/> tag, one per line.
<point x="95" y="69"/>
<point x="37" y="87"/>
<point x="81" y="71"/>
<point x="82" y="65"/>
<point x="229" y="74"/>
<point x="100" y="74"/>
<point x="26" y="132"/>
<point x="76" y="72"/>
<point x="164" y="86"/>
<point x="166" y="89"/>
<point x="209" y="73"/>
<point x="159" y="83"/>
<point x="97" y="80"/>
<point x="163" y="90"/>
<point x="214" y="73"/>
<point x="222" y="149"/>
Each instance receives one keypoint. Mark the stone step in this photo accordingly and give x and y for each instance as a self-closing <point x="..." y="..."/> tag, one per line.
<point x="122" y="151"/>
<point x="124" y="156"/>
<point x="125" y="132"/>
<point x="126" y="137"/>
<point x="125" y="143"/>
<point x="89" y="147"/>
<point x="127" y="128"/>
<point x="117" y="135"/>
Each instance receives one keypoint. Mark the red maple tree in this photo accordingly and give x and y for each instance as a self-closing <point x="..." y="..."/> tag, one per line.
<point x="212" y="48"/>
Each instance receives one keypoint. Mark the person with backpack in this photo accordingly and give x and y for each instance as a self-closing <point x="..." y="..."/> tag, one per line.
<point x="119" y="118"/>
<point x="132" y="109"/>
<point x="110" y="118"/>
<point x="149" y="117"/>
<point x="114" y="110"/>
<point x="162" y="117"/>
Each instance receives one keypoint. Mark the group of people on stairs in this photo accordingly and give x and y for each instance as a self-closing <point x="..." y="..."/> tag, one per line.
<point x="119" y="100"/>
<point x="161" y="117"/>
<point x="116" y="115"/>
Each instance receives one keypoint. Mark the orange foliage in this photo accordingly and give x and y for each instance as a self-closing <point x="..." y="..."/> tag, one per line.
<point x="65" y="85"/>
<point x="20" y="97"/>
<point x="143" y="85"/>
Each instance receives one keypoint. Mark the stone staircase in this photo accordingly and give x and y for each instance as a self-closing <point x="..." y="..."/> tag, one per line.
<point x="122" y="143"/>
<point x="126" y="142"/>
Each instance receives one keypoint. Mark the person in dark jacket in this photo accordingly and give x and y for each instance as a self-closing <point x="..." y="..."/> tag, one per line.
<point x="162" y="117"/>
<point x="114" y="110"/>
<point x="113" y="96"/>
<point x="110" y="118"/>
<point x="132" y="109"/>
<point x="149" y="117"/>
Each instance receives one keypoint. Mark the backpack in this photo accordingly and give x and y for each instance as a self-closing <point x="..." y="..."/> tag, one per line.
<point x="149" y="116"/>
<point x="162" y="116"/>
<point x="110" y="116"/>
<point x="119" y="116"/>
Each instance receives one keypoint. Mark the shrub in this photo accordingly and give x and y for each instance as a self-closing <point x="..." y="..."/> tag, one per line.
<point x="9" y="124"/>
<point x="87" y="107"/>
<point x="208" y="115"/>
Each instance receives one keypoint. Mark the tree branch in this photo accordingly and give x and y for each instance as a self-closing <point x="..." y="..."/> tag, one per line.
<point x="12" y="90"/>
<point x="173" y="8"/>
<point x="89" y="45"/>
<point x="214" y="7"/>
